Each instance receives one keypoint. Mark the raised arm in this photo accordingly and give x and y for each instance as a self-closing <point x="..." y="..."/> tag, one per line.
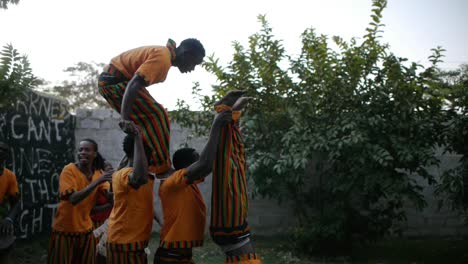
<point x="204" y="165"/>
<point x="79" y="196"/>
<point x="140" y="162"/>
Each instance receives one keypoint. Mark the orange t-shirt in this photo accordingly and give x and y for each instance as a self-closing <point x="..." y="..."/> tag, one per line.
<point x="184" y="212"/>
<point x="150" y="62"/>
<point x="131" y="219"/>
<point x="8" y="184"/>
<point x="71" y="218"/>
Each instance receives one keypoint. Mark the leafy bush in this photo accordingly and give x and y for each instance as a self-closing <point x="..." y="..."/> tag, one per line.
<point x="345" y="131"/>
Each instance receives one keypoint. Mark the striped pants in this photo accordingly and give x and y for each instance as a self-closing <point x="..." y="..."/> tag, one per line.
<point x="71" y="248"/>
<point x="250" y="258"/>
<point x="229" y="200"/>
<point x="146" y="113"/>
<point x="133" y="253"/>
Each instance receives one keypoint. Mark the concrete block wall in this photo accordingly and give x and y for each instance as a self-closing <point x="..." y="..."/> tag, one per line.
<point x="265" y="216"/>
<point x="102" y="125"/>
<point x="432" y="221"/>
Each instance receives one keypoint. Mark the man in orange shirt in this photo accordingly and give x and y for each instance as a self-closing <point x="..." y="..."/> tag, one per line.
<point x="72" y="240"/>
<point x="123" y="84"/>
<point x="130" y="223"/>
<point x="8" y="193"/>
<point x="184" y="210"/>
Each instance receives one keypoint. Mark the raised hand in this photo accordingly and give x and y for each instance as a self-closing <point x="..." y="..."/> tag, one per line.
<point x="241" y="103"/>
<point x="129" y="127"/>
<point x="126" y="126"/>
<point x="230" y="98"/>
<point x="107" y="176"/>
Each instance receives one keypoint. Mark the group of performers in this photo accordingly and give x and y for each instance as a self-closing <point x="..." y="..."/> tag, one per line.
<point x="90" y="191"/>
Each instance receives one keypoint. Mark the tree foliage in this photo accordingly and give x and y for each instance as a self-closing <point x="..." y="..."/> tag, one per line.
<point x="346" y="130"/>
<point x="15" y="75"/>
<point x="4" y="3"/>
<point x="81" y="89"/>
<point x="453" y="187"/>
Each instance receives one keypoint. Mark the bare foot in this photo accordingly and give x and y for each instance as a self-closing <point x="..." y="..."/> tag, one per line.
<point x="241" y="103"/>
<point x="230" y="98"/>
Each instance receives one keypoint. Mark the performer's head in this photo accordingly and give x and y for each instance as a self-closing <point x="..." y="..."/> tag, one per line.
<point x="189" y="54"/>
<point x="129" y="146"/>
<point x="88" y="154"/>
<point x="184" y="157"/>
<point x="4" y="151"/>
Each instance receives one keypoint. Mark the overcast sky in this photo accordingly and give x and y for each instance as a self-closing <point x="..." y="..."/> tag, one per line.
<point x="56" y="34"/>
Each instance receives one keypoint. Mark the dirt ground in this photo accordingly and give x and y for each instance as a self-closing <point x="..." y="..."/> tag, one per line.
<point x="276" y="250"/>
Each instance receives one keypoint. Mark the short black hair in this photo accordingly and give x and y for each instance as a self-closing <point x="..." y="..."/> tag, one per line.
<point x="129" y="145"/>
<point x="184" y="157"/>
<point x="193" y="46"/>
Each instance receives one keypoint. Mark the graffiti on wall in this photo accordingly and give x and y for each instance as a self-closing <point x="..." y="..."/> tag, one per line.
<point x="40" y="132"/>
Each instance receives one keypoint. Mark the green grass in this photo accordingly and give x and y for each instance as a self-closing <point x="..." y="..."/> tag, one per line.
<point x="428" y="250"/>
<point x="275" y="250"/>
<point x="271" y="249"/>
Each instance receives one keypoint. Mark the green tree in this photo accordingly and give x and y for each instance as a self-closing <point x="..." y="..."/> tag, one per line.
<point x="4" y="3"/>
<point x="15" y="75"/>
<point x="345" y="131"/>
<point x="81" y="89"/>
<point x="453" y="185"/>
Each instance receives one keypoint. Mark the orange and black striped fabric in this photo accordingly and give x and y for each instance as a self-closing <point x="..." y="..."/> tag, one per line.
<point x="166" y="260"/>
<point x="146" y="113"/>
<point x="72" y="248"/>
<point x="250" y="258"/>
<point x="127" y="253"/>
<point x="229" y="200"/>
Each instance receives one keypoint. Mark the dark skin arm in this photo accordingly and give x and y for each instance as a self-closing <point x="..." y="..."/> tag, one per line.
<point x="204" y="165"/>
<point x="131" y="93"/>
<point x="140" y="163"/>
<point x="6" y="226"/>
<point x="79" y="196"/>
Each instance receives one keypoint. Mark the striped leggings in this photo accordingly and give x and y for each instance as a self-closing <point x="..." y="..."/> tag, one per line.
<point x="229" y="200"/>
<point x="146" y="113"/>
<point x="132" y="253"/>
<point x="71" y="248"/>
<point x="250" y="258"/>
